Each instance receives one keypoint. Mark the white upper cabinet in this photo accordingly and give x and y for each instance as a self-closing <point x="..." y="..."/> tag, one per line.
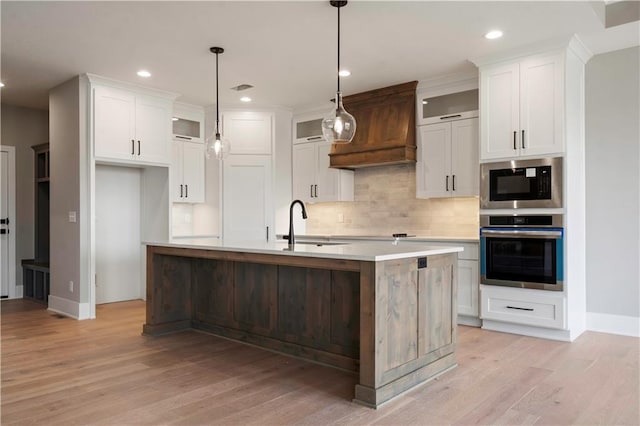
<point x="132" y="127"/>
<point x="187" y="172"/>
<point x="308" y="128"/>
<point x="313" y="180"/>
<point x="188" y="123"/>
<point x="249" y="132"/>
<point x="521" y="108"/>
<point x="448" y="159"/>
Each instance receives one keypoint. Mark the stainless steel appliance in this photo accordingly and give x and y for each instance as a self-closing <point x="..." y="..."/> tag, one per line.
<point x="524" y="251"/>
<point x="521" y="184"/>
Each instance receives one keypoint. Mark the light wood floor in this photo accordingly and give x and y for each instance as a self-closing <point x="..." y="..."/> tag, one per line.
<point x="60" y="371"/>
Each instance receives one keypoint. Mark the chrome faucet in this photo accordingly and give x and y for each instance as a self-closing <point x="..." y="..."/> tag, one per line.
<point x="292" y="239"/>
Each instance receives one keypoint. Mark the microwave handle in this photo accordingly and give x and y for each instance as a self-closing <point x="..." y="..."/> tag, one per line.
<point x="514" y="233"/>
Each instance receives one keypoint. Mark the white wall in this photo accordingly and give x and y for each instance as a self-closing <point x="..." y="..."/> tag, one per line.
<point x="613" y="188"/>
<point x="23" y="128"/>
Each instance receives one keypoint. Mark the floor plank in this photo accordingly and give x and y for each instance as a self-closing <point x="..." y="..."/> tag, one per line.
<point x="56" y="370"/>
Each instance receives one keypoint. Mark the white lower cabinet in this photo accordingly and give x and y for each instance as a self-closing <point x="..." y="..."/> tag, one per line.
<point x="313" y="180"/>
<point x="187" y="172"/>
<point x="538" y="308"/>
<point x="468" y="287"/>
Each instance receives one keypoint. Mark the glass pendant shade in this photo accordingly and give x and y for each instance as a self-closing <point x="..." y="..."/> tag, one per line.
<point x="217" y="147"/>
<point x="339" y="126"/>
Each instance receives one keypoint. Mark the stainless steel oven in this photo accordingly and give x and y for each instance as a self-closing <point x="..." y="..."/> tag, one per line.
<point x="521" y="184"/>
<point x="524" y="251"/>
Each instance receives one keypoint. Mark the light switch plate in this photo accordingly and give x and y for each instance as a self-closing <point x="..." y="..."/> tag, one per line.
<point x="72" y="217"/>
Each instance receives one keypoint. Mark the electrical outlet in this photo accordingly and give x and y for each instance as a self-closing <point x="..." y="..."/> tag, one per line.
<point x="71" y="286"/>
<point x="340" y="217"/>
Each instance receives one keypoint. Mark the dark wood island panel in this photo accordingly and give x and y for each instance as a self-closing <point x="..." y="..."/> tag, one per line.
<point x="390" y="321"/>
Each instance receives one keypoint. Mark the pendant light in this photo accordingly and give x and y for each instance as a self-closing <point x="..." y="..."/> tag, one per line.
<point x="339" y="126"/>
<point x="217" y="147"/>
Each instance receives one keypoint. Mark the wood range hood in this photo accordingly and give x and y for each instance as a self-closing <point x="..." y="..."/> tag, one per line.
<point x="386" y="128"/>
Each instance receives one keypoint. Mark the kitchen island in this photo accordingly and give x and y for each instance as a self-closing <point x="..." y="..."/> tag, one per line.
<point x="384" y="311"/>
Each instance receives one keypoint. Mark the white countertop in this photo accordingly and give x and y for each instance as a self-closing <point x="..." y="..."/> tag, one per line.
<point x="365" y="250"/>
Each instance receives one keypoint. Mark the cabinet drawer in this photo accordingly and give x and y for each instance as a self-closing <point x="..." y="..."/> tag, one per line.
<point x="522" y="306"/>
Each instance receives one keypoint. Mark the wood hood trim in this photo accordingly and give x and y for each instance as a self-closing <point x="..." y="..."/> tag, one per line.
<point x="386" y="128"/>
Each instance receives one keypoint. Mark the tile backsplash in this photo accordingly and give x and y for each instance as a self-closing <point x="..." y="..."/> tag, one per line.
<point x="385" y="203"/>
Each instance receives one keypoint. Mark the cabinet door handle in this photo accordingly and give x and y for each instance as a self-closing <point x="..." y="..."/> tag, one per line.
<point x="314" y="138"/>
<point x="186" y="191"/>
<point x="138" y="147"/>
<point x="446" y="183"/>
<point x="514" y="140"/>
<point x="311" y="191"/>
<point x="133" y="147"/>
<point x="316" y="191"/>
<point x="267" y="234"/>
<point x="450" y="116"/>
<point x="182" y="137"/>
<point x="522" y="139"/>
<point x="453" y="178"/>
<point x="181" y="190"/>
<point x="520" y="309"/>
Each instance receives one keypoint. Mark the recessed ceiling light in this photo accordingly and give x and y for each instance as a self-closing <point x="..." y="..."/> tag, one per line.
<point x="493" y="34"/>
<point x="1" y="84"/>
<point x="424" y="102"/>
<point x="174" y="119"/>
<point x="144" y="73"/>
<point x="245" y="99"/>
<point x="344" y="73"/>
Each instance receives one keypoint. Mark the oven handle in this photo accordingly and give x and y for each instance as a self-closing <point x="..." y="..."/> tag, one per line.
<point x="518" y="234"/>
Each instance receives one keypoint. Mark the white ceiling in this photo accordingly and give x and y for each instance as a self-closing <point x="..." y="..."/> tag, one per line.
<point x="287" y="50"/>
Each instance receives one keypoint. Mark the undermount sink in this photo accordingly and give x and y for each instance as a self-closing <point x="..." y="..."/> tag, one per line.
<point x="320" y="243"/>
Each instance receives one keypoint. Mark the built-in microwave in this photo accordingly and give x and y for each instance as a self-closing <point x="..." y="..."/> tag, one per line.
<point x="521" y="184"/>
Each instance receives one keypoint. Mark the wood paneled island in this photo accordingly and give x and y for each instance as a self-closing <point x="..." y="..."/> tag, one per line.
<point x="384" y="311"/>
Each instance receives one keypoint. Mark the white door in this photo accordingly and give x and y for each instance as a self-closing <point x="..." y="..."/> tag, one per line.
<point x="541" y="105"/>
<point x="7" y="227"/>
<point x="465" y="169"/>
<point x="193" y="172"/>
<point x="328" y="179"/>
<point x="117" y="222"/>
<point x="500" y="104"/>
<point x="177" y="174"/>
<point x="433" y="178"/>
<point x="153" y="130"/>
<point x="114" y="123"/>
<point x="247" y="198"/>
<point x="304" y="171"/>
<point x="249" y="132"/>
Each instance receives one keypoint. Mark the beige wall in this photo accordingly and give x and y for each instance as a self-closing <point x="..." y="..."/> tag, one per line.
<point x="385" y="203"/>
<point x="613" y="183"/>
<point x="23" y="128"/>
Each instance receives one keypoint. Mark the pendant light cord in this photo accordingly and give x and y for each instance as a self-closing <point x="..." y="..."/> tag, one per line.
<point x="338" y="49"/>
<point x="217" y="102"/>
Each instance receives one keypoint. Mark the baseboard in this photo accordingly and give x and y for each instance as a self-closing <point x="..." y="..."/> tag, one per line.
<point x="469" y="320"/>
<point x="69" y="308"/>
<point x="527" y="330"/>
<point x="614" y="324"/>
